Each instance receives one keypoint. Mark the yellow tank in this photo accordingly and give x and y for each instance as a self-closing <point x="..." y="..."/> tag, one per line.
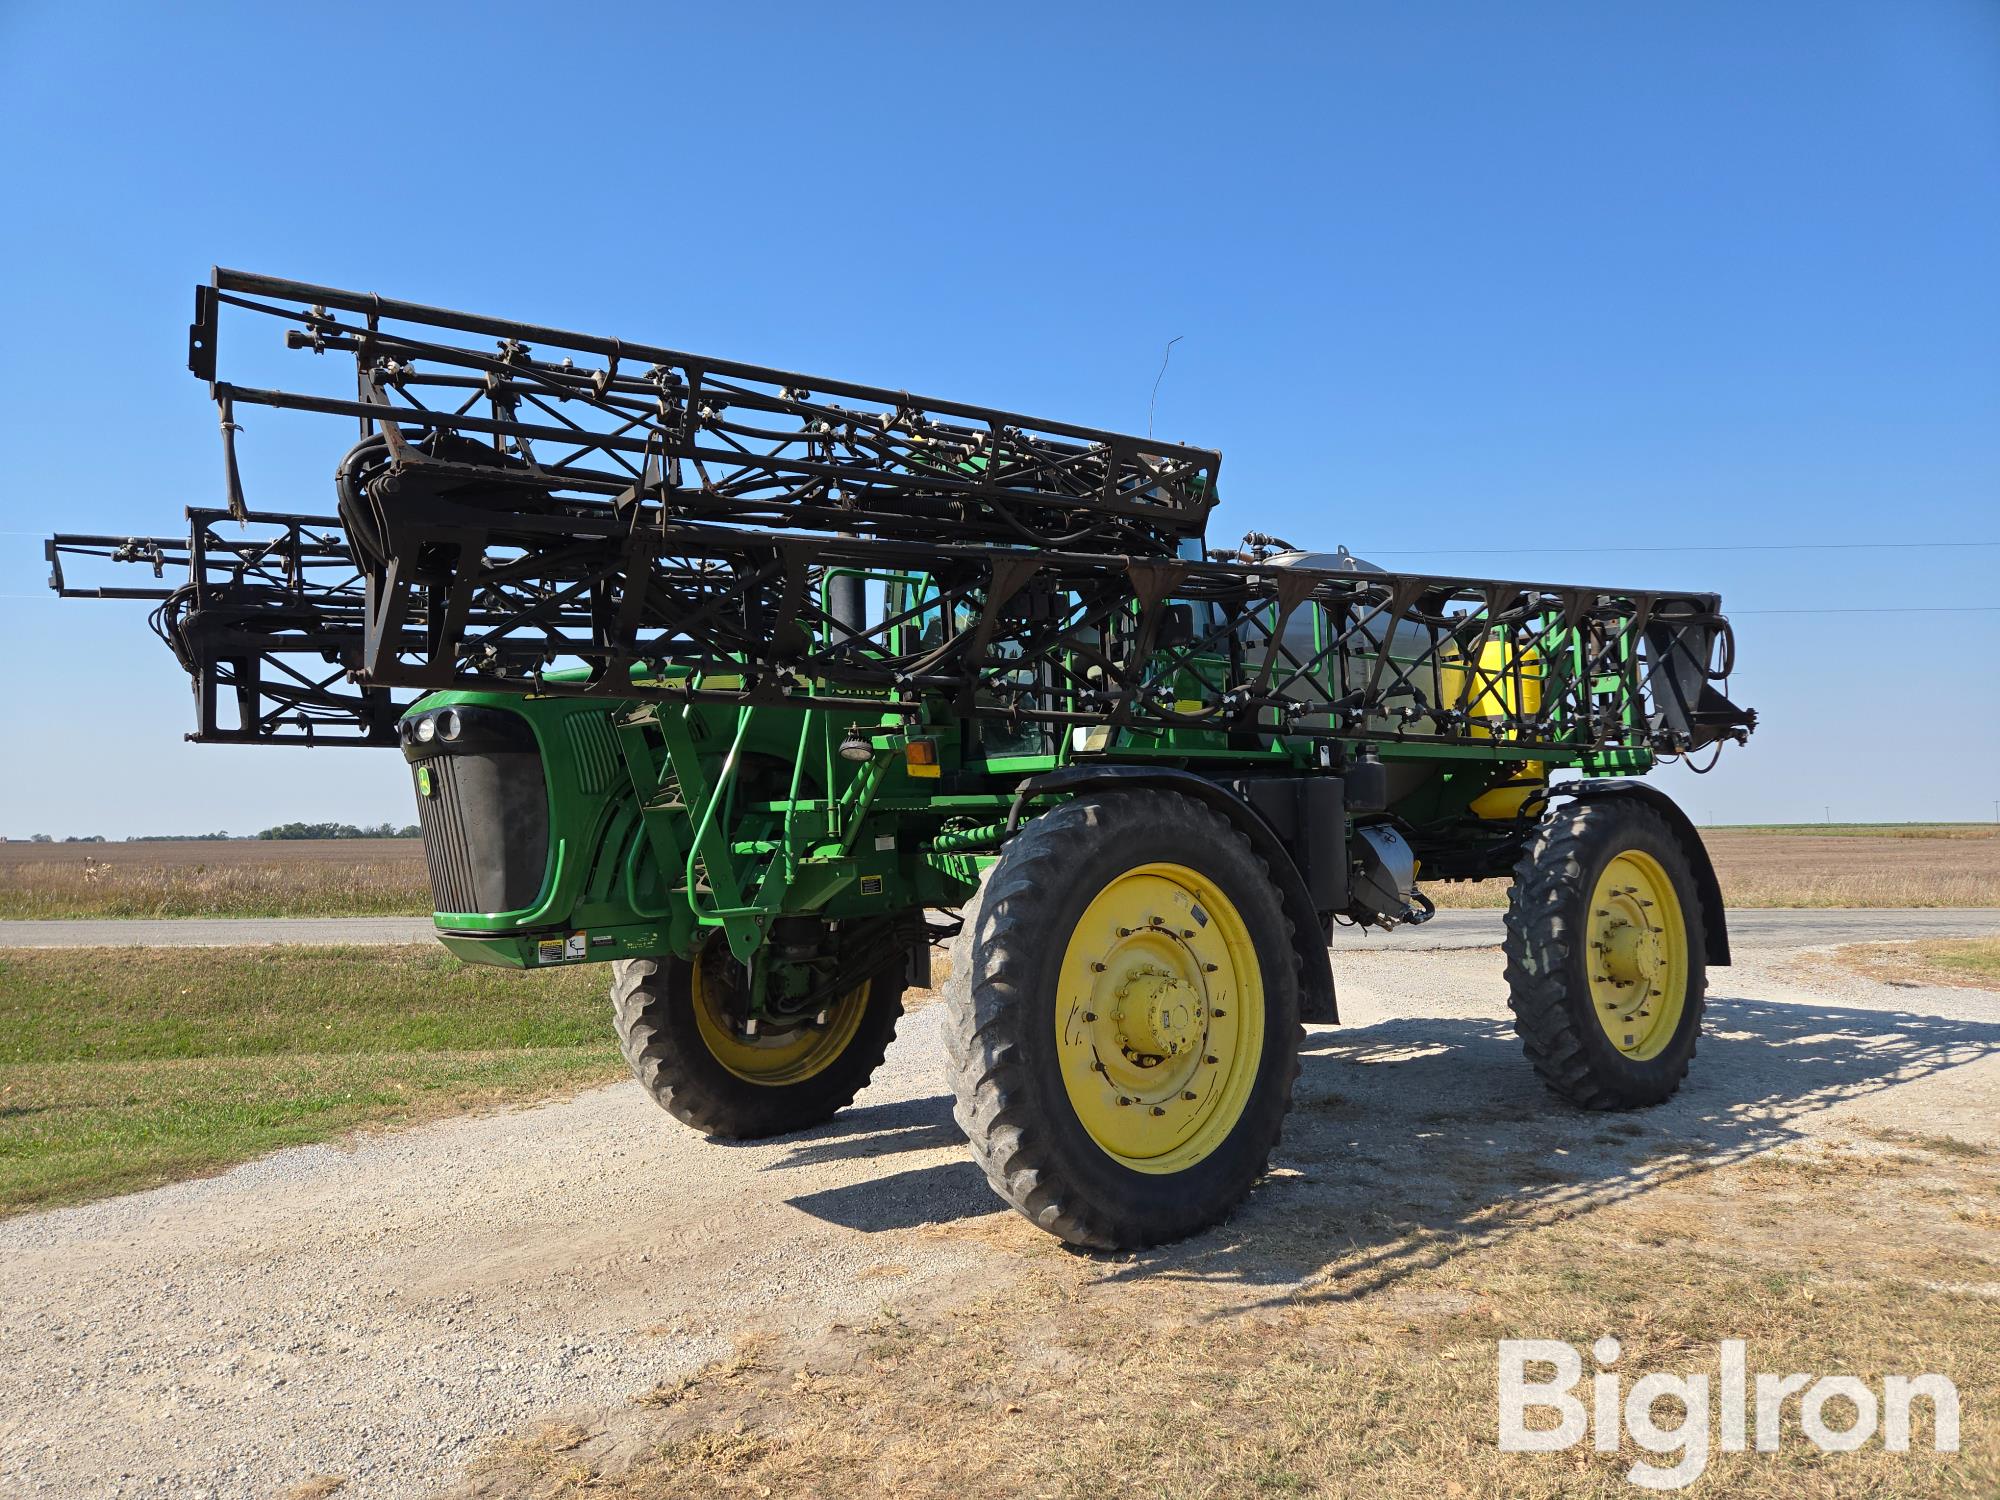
<point x="1497" y="690"/>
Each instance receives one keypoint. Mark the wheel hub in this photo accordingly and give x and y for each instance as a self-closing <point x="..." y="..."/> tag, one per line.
<point x="1638" y="954"/>
<point x="1632" y="949"/>
<point x="1158" y="1016"/>
<point x="1159" y="1023"/>
<point x="780" y="1055"/>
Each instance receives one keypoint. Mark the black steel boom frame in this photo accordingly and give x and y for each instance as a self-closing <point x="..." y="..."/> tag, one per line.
<point x="283" y="628"/>
<point x="268" y="624"/>
<point x="672" y="526"/>
<point x="603" y="419"/>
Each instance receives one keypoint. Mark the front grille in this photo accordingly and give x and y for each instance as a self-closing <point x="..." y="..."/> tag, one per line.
<point x="483" y="804"/>
<point x="446" y="849"/>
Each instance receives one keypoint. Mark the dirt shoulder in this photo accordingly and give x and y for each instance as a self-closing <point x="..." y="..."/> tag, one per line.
<point x="1968" y="963"/>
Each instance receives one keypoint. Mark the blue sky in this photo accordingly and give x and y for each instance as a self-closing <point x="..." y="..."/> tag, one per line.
<point x="1516" y="279"/>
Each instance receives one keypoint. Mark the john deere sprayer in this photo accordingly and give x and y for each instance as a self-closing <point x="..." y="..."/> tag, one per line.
<point x="753" y="686"/>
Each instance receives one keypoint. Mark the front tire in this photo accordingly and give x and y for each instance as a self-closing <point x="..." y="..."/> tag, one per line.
<point x="1605" y="948"/>
<point x="1122" y="1020"/>
<point x="682" y="1048"/>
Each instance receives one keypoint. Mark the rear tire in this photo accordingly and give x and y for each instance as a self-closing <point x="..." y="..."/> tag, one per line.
<point x="1122" y="1020"/>
<point x="1605" y="948"/>
<point x="771" y="1086"/>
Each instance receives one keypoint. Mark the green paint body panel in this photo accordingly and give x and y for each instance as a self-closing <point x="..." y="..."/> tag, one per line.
<point x="668" y="824"/>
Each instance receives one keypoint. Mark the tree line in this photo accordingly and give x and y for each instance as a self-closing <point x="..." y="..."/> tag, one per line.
<point x="282" y="831"/>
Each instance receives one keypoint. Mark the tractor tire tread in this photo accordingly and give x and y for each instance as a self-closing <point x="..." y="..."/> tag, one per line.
<point x="1548" y="887"/>
<point x="662" y="1047"/>
<point x="984" y="1014"/>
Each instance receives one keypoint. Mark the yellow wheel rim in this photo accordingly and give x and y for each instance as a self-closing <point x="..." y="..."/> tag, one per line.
<point x="777" y="1057"/>
<point x="1638" y="955"/>
<point x="1159" y="1018"/>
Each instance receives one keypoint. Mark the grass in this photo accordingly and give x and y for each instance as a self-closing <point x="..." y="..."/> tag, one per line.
<point x="1973" y="963"/>
<point x="237" y="878"/>
<point x="1081" y="1377"/>
<point x="123" y="1068"/>
<point x="1978" y="958"/>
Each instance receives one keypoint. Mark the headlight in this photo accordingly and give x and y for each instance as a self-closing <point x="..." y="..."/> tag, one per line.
<point x="426" y="731"/>
<point x="448" y="724"/>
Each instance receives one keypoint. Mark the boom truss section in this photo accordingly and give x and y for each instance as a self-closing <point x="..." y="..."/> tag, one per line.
<point x="275" y="625"/>
<point x="657" y="609"/>
<point x="266" y="615"/>
<point x="558" y="513"/>
<point x="590" y="424"/>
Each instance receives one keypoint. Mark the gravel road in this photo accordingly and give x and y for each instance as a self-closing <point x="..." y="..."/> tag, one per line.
<point x="1748" y="927"/>
<point x="214" y="932"/>
<point x="380" y="1309"/>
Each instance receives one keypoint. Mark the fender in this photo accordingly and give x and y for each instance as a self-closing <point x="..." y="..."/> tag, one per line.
<point x="1714" y="919"/>
<point x="1317" y="1002"/>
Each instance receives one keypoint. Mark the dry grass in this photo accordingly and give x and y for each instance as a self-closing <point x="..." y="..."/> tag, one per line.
<point x="234" y="878"/>
<point x="1952" y="865"/>
<point x="1084" y="1378"/>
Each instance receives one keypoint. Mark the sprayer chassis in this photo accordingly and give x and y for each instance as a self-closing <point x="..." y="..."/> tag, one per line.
<point x="739" y="679"/>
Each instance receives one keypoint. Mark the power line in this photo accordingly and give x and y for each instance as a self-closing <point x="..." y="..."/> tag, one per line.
<point x="1695" y="547"/>
<point x="1887" y="609"/>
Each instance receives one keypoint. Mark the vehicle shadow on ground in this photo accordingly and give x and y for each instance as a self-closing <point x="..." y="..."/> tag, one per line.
<point x="941" y="1193"/>
<point x="871" y="1130"/>
<point x="1412" y="1135"/>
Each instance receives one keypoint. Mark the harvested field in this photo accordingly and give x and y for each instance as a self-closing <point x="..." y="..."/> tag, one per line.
<point x="1898" y="869"/>
<point x="1871" y="830"/>
<point x="230" y="878"/>
<point x="1934" y="865"/>
<point x="1950" y="864"/>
